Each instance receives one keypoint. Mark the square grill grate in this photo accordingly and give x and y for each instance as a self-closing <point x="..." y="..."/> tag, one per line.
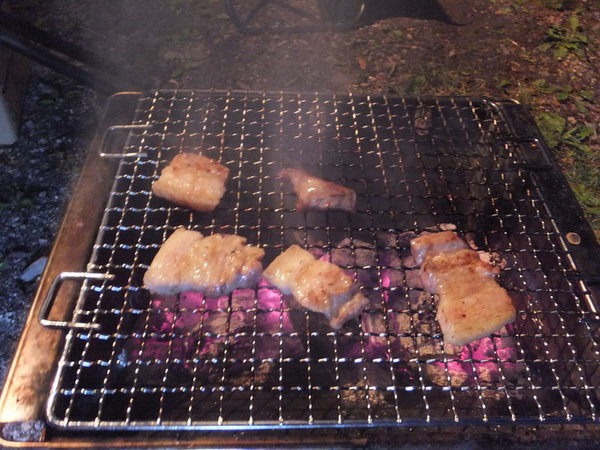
<point x="248" y="360"/>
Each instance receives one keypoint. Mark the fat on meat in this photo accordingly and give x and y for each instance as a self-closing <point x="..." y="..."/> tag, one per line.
<point x="214" y="265"/>
<point x="444" y="241"/>
<point x="192" y="180"/>
<point x="317" y="285"/>
<point x="318" y="194"/>
<point x="472" y="304"/>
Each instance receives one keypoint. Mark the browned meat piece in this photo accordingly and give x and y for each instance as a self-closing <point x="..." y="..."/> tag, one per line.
<point x="315" y="193"/>
<point x="472" y="305"/>
<point x="192" y="180"/>
<point x="317" y="285"/>
<point x="348" y="309"/>
<point x="282" y="271"/>
<point x="214" y="265"/>
<point x="445" y="241"/>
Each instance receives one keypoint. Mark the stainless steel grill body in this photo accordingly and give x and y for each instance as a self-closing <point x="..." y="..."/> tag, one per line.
<point x="250" y="360"/>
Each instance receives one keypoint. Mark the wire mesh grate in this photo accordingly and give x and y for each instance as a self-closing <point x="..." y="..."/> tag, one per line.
<point x="248" y="360"/>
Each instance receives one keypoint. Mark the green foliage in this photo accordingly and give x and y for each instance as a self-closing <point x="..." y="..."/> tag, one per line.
<point x="517" y="6"/>
<point x="441" y="79"/>
<point x="414" y="84"/>
<point x="26" y="203"/>
<point x="570" y="143"/>
<point x="562" y="41"/>
<point x="46" y="102"/>
<point x="398" y="34"/>
<point x="183" y="67"/>
<point x="584" y="178"/>
<point x="557" y="132"/>
<point x="20" y="200"/>
<point x="589" y="200"/>
<point x="503" y="83"/>
<point x="528" y="92"/>
<point x="566" y="93"/>
<point x="393" y="31"/>
<point x="556" y="4"/>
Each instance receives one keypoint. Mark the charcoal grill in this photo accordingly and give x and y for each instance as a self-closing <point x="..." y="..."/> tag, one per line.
<point x="252" y="361"/>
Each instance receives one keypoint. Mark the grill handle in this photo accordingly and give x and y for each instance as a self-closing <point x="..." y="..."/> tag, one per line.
<point x="112" y="129"/>
<point x="49" y="300"/>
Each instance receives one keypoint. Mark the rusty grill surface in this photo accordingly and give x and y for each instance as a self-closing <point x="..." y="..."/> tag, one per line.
<point x="250" y="360"/>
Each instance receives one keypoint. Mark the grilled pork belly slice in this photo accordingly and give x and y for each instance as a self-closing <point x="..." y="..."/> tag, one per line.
<point x="348" y="309"/>
<point x="192" y="180"/>
<point x="471" y="303"/>
<point x="315" y="193"/>
<point x="282" y="271"/>
<point x="214" y="265"/>
<point x="445" y="241"/>
<point x="317" y="285"/>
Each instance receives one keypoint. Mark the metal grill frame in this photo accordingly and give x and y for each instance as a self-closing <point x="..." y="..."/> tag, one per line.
<point x="521" y="153"/>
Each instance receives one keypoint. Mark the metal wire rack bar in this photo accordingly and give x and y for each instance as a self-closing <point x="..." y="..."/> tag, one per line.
<point x="250" y="360"/>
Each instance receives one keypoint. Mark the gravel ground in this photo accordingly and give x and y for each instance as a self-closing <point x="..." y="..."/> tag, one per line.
<point x="36" y="177"/>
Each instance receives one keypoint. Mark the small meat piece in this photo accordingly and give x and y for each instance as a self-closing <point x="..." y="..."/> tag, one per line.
<point x="192" y="180"/>
<point x="320" y="285"/>
<point x="282" y="271"/>
<point x="472" y="305"/>
<point x="436" y="263"/>
<point x="348" y="309"/>
<point x="445" y="241"/>
<point x="315" y="193"/>
<point x="213" y="265"/>
<point x="317" y="285"/>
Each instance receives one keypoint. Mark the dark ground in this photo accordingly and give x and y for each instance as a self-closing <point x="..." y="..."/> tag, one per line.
<point x="468" y="47"/>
